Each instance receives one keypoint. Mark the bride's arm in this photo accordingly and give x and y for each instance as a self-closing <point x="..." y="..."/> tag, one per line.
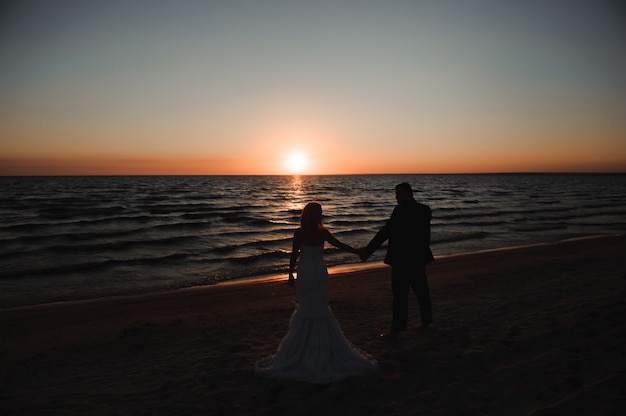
<point x="295" y="252"/>
<point x="342" y="246"/>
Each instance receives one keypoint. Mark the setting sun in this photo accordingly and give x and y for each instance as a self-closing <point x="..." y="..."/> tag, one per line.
<point x="296" y="162"/>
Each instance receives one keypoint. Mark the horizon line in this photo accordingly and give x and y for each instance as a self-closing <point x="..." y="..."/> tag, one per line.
<point x="328" y="174"/>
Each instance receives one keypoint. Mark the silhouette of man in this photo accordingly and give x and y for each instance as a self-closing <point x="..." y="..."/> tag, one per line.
<point x="408" y="253"/>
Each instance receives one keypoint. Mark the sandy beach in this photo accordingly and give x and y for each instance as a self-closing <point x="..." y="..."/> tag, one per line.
<point x="537" y="330"/>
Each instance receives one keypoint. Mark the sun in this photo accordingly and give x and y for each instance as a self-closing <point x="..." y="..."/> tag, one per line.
<point x="296" y="162"/>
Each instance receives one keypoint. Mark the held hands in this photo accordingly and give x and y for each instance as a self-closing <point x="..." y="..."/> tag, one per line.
<point x="363" y="254"/>
<point x="291" y="280"/>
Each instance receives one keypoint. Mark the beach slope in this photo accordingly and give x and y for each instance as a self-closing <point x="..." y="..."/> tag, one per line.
<point x="537" y="330"/>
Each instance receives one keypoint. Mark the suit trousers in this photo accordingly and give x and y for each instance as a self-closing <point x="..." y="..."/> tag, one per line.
<point x="401" y="279"/>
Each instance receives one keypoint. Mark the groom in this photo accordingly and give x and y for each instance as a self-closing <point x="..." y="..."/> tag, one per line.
<point x="408" y="232"/>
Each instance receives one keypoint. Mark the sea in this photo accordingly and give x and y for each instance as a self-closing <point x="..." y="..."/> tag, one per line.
<point x="85" y="237"/>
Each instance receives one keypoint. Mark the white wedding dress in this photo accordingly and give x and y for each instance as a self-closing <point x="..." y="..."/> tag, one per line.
<point x="315" y="349"/>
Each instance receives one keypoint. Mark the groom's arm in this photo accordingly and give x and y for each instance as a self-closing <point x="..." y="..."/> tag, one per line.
<point x="381" y="236"/>
<point x="394" y="222"/>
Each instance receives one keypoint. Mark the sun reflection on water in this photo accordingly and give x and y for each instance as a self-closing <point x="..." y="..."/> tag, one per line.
<point x="296" y="196"/>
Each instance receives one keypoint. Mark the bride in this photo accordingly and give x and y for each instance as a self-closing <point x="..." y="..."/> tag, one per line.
<point x="315" y="348"/>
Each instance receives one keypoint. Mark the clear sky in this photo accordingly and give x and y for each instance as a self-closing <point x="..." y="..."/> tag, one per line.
<point x="235" y="87"/>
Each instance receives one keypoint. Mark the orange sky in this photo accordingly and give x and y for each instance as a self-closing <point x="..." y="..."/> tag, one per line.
<point x="318" y="163"/>
<point x="213" y="88"/>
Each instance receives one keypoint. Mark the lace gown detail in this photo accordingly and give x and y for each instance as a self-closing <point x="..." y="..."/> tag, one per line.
<point x="315" y="348"/>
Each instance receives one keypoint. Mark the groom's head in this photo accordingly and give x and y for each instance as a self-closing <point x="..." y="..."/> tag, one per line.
<point x="403" y="192"/>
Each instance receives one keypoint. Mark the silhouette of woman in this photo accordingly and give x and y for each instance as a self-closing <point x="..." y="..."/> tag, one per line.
<point x="315" y="348"/>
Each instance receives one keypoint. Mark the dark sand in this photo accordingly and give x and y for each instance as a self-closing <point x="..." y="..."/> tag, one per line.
<point x="536" y="330"/>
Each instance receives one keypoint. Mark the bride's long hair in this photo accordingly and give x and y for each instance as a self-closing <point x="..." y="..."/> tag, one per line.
<point x="311" y="218"/>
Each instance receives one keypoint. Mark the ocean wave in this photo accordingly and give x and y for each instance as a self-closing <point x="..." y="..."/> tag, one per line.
<point x="539" y="227"/>
<point x="456" y="237"/>
<point x="163" y="231"/>
<point x="109" y="247"/>
<point x="256" y="244"/>
<point x="60" y="211"/>
<point x="92" y="266"/>
<point x="253" y="258"/>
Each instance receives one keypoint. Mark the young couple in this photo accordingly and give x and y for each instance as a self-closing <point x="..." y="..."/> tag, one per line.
<point x="315" y="348"/>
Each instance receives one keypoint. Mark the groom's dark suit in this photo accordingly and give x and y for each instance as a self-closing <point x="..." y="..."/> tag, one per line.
<point x="408" y="232"/>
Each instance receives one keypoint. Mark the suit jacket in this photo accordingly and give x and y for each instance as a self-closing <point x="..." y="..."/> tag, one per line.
<point x="408" y="232"/>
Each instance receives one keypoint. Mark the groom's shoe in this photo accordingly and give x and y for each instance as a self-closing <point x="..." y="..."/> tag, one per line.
<point x="389" y="336"/>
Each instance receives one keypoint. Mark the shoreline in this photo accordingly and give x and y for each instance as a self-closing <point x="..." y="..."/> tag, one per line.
<point x="333" y="271"/>
<point x="531" y="331"/>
